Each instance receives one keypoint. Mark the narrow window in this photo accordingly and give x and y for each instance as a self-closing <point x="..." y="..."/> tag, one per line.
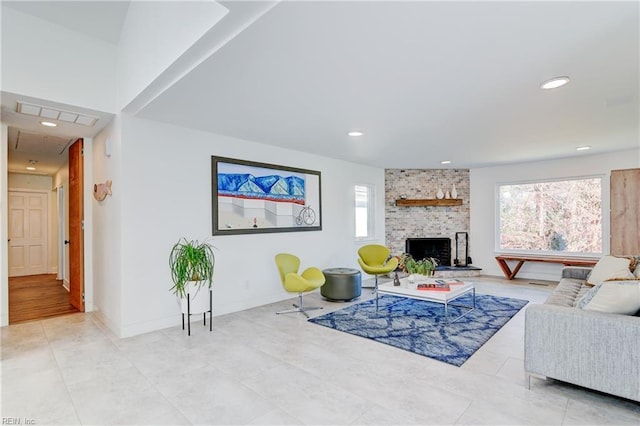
<point x="365" y="212"/>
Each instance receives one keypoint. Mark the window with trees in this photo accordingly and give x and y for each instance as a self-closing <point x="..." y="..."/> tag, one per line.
<point x="551" y="216"/>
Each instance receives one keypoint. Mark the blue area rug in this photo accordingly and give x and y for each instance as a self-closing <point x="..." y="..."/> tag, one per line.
<point x="420" y="327"/>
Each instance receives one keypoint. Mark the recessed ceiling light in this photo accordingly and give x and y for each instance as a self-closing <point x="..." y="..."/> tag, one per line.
<point x="355" y="133"/>
<point x="48" y="124"/>
<point x="31" y="168"/>
<point x="583" y="148"/>
<point x="445" y="162"/>
<point x="555" y="82"/>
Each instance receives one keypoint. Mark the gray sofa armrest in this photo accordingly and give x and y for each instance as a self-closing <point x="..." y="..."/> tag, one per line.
<point x="576" y="272"/>
<point x="591" y="349"/>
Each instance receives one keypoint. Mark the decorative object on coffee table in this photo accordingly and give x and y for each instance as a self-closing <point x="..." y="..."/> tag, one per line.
<point x="396" y="280"/>
<point x="412" y="266"/>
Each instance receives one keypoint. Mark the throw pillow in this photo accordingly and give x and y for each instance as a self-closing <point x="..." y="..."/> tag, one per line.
<point x="615" y="297"/>
<point x="610" y="268"/>
<point x="636" y="273"/>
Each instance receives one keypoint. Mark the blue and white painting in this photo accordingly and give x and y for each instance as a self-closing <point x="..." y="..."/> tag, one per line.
<point x="257" y="197"/>
<point x="240" y="181"/>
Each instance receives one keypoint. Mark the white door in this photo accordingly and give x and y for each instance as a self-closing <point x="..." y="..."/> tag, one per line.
<point x="27" y="233"/>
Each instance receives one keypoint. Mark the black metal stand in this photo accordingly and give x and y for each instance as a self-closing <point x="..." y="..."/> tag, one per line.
<point x="204" y="314"/>
<point x="462" y="259"/>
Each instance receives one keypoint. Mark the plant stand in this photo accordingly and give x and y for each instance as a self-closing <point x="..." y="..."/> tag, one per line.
<point x="204" y="314"/>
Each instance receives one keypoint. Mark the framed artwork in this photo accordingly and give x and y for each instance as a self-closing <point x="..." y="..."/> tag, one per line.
<point x="250" y="197"/>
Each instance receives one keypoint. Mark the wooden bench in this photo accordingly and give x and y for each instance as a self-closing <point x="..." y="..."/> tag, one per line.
<point x="566" y="261"/>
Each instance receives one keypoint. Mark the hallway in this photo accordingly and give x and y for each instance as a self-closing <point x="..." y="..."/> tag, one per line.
<point x="36" y="297"/>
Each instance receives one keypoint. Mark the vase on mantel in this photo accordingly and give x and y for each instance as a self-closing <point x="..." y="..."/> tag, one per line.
<point x="439" y="194"/>
<point x="454" y="193"/>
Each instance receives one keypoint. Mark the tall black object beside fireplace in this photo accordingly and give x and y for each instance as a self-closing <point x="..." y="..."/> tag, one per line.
<point x="462" y="249"/>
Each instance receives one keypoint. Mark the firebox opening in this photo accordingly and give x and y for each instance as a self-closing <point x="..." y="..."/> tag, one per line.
<point x="438" y="248"/>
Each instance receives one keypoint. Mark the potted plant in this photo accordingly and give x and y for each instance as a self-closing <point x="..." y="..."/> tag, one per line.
<point x="191" y="264"/>
<point x="413" y="267"/>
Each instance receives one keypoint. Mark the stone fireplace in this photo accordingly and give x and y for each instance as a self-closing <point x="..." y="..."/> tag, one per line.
<point x="429" y="221"/>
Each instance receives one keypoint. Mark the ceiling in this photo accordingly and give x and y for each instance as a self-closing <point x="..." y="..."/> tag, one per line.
<point x="424" y="81"/>
<point x="98" y="19"/>
<point x="28" y="140"/>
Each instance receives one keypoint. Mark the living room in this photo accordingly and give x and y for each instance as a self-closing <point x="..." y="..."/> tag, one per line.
<point x="152" y="160"/>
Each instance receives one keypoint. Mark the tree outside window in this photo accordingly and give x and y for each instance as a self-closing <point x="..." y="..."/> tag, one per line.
<point x="551" y="216"/>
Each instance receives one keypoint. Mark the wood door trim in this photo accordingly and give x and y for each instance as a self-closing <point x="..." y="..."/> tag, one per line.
<point x="76" y="218"/>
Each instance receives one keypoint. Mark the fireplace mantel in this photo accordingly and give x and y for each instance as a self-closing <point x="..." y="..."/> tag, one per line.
<point x="444" y="202"/>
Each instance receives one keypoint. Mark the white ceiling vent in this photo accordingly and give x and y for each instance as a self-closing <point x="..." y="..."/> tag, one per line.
<point x="54" y="114"/>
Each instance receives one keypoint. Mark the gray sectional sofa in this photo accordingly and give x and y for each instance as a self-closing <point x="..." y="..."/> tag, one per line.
<point x="596" y="350"/>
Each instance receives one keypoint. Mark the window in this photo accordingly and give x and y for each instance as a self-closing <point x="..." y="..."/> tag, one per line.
<point x="365" y="212"/>
<point x="551" y="216"/>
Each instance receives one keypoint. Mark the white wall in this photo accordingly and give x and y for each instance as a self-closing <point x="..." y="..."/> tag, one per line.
<point x="31" y="182"/>
<point x="72" y="68"/>
<point x="166" y="195"/>
<point x="483" y="212"/>
<point x="106" y="214"/>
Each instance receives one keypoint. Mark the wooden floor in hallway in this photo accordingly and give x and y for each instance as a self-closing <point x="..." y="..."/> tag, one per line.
<point x="36" y="297"/>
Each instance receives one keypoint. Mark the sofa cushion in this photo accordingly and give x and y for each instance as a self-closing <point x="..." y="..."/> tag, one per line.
<point x="568" y="292"/>
<point x="611" y="268"/>
<point x="616" y="297"/>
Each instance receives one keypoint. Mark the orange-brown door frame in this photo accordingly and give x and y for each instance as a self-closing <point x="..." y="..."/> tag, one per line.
<point x="76" y="225"/>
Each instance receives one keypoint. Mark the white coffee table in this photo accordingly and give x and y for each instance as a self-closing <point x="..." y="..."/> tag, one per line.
<point x="409" y="289"/>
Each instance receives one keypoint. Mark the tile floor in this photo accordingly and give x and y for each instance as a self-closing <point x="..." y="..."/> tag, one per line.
<point x="260" y="368"/>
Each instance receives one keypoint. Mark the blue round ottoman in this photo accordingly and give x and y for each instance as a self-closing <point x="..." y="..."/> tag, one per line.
<point x="341" y="284"/>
